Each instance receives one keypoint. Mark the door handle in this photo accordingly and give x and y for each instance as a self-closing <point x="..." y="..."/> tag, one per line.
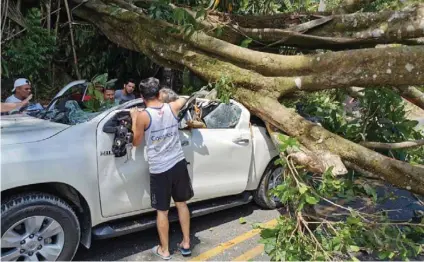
<point x="241" y="140"/>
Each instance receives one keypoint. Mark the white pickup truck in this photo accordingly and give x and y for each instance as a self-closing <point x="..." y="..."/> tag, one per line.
<point x="66" y="177"/>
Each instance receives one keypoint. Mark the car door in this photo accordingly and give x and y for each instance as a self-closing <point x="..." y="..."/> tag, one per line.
<point x="124" y="182"/>
<point x="222" y="158"/>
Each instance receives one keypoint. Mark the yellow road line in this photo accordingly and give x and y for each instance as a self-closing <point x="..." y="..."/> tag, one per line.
<point x="252" y="253"/>
<point x="223" y="246"/>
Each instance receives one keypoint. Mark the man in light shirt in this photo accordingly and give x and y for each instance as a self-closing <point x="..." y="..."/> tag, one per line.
<point x="157" y="124"/>
<point x="21" y="91"/>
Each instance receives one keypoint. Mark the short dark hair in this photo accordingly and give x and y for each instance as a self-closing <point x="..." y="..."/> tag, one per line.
<point x="129" y="80"/>
<point x="149" y="88"/>
<point x="108" y="88"/>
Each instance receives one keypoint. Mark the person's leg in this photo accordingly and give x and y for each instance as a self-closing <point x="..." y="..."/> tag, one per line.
<point x="160" y="196"/>
<point x="163" y="230"/>
<point x="184" y="217"/>
<point x="182" y="191"/>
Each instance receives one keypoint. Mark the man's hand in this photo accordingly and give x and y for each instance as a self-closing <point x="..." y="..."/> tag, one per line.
<point x="180" y="102"/>
<point x="134" y="115"/>
<point x="26" y="100"/>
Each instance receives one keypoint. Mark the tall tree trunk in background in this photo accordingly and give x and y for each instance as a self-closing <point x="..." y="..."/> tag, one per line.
<point x="261" y="79"/>
<point x="56" y="31"/>
<point x="72" y="39"/>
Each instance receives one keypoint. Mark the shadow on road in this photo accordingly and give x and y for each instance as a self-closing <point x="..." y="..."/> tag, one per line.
<point x="124" y="246"/>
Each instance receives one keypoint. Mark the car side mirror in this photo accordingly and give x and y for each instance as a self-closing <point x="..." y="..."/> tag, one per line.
<point x="120" y="126"/>
<point x="111" y="125"/>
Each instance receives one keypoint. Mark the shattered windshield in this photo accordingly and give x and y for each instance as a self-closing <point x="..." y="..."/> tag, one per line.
<point x="74" y="106"/>
<point x="71" y="113"/>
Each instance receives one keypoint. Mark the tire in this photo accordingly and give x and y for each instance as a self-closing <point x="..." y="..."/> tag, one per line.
<point x="46" y="216"/>
<point x="261" y="195"/>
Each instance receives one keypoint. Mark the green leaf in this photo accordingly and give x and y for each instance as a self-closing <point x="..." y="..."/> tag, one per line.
<point x="383" y="255"/>
<point x="111" y="82"/>
<point x="100" y="79"/>
<point x="312" y="200"/>
<point x="219" y="31"/>
<point x="354" y="248"/>
<point x="370" y="191"/>
<point x="98" y="95"/>
<point x="269" y="233"/>
<point x="302" y="188"/>
<point x="242" y="220"/>
<point x="201" y="14"/>
<point x="257" y="225"/>
<point x="178" y="15"/>
<point x="353" y="220"/>
<point x="245" y="43"/>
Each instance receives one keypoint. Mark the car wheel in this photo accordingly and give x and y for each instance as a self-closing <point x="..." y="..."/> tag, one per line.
<point x="38" y="226"/>
<point x="272" y="177"/>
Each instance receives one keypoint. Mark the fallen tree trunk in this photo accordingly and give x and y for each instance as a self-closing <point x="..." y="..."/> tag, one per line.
<point x="341" y="31"/>
<point x="259" y="79"/>
<point x="314" y="137"/>
<point x="389" y="146"/>
<point x="314" y="161"/>
<point x="413" y="95"/>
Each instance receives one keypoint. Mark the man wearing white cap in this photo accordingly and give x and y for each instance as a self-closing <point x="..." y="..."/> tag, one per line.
<point x="21" y="91"/>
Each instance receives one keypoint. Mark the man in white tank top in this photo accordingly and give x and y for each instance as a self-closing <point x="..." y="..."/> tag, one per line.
<point x="169" y="176"/>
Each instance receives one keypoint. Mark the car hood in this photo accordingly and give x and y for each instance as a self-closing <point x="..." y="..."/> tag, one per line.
<point x="18" y="129"/>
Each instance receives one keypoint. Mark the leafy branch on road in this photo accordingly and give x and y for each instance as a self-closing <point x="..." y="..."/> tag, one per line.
<point x="303" y="234"/>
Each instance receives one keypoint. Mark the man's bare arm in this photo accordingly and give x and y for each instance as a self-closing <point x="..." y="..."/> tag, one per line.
<point x="6" y="107"/>
<point x="178" y="104"/>
<point x="138" y="125"/>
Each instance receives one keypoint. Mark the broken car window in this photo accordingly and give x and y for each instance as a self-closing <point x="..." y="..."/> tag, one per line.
<point x="223" y="116"/>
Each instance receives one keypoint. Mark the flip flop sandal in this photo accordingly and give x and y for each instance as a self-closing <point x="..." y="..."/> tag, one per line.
<point x="184" y="251"/>
<point x="155" y="251"/>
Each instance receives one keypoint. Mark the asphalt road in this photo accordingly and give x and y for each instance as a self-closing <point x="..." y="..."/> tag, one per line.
<point x="222" y="237"/>
<point x="217" y="236"/>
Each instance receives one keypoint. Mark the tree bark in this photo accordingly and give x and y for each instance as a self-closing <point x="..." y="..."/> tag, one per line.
<point x="389" y="146"/>
<point x="259" y="79"/>
<point x="342" y="31"/>
<point x="413" y="95"/>
<point x="351" y="6"/>
<point x="72" y="39"/>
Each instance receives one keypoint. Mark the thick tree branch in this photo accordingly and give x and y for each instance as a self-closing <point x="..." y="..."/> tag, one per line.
<point x="342" y="31"/>
<point x="413" y="95"/>
<point x="260" y="78"/>
<point x="355" y="91"/>
<point x="315" y="137"/>
<point x="361" y="170"/>
<point x="399" y="145"/>
<point x="331" y="32"/>
<point x="397" y="66"/>
<point x="316" y="162"/>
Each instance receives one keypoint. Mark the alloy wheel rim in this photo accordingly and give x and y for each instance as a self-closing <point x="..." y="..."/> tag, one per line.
<point x="35" y="238"/>
<point x="275" y="179"/>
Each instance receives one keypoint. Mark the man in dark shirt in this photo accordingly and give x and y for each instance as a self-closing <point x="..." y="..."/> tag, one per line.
<point x="127" y="93"/>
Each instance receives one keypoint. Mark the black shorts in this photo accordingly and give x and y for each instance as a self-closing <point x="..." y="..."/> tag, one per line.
<point x="174" y="182"/>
